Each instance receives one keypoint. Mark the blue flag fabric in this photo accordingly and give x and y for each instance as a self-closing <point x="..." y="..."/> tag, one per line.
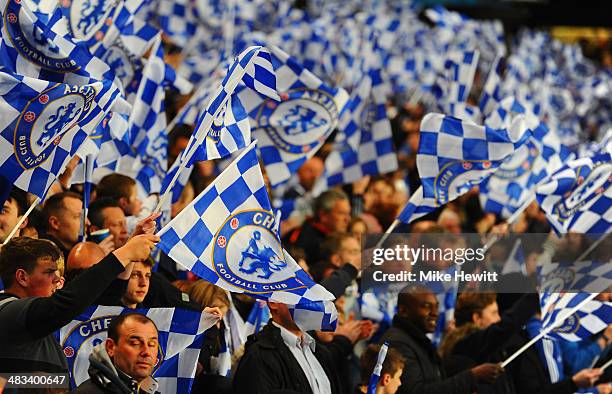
<point x="180" y="339"/>
<point x="257" y="319"/>
<point x="227" y="236"/>
<point x="578" y="197"/>
<point x="44" y="124"/>
<point x="455" y="156"/>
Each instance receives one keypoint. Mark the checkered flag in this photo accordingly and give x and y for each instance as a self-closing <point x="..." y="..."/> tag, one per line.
<point x="258" y="317"/>
<point x="43" y="53"/>
<point x="290" y="132"/>
<point x="491" y="93"/>
<point x="456" y="155"/>
<point x="44" y="124"/>
<point x="364" y="144"/>
<point x="590" y="319"/>
<point x="180" y="339"/>
<point x="227" y="236"/>
<point x="578" y="197"/>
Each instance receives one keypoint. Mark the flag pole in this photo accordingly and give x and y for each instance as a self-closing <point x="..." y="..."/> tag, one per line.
<point x="590" y="248"/>
<point x="513" y="218"/>
<point x="554" y="325"/>
<point x="606" y="365"/>
<point x="20" y="221"/>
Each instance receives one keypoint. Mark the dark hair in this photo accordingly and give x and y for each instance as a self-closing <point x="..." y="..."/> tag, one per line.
<point x="117" y="321"/>
<point x="115" y="186"/>
<point x="20" y="198"/>
<point x="470" y="303"/>
<point x="23" y="253"/>
<point x="96" y="207"/>
<point x="54" y="205"/>
<point x="393" y="362"/>
<point x="325" y="201"/>
<point x="318" y="270"/>
<point x="332" y="245"/>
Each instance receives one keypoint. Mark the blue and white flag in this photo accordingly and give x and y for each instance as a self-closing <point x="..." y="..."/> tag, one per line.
<point x="290" y="132"/>
<point x="516" y="260"/>
<point x="180" y="339"/>
<point x="227" y="236"/>
<point x="382" y="354"/>
<point x="491" y="92"/>
<point x="592" y="318"/>
<point x="455" y="156"/>
<point x="32" y="48"/>
<point x="364" y="144"/>
<point x="258" y="318"/>
<point x="44" y="124"/>
<point x="578" y="197"/>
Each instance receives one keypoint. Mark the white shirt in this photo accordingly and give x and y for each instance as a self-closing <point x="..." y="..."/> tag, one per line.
<point x="303" y="351"/>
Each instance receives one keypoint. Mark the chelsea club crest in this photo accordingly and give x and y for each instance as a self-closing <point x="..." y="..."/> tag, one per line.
<point x="458" y="177"/>
<point x="520" y="163"/>
<point x="46" y="118"/>
<point x="301" y="121"/>
<point x="247" y="254"/>
<point x="89" y="19"/>
<point x="31" y="41"/>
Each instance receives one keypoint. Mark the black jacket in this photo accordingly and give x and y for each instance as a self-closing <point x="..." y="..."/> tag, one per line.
<point x="308" y="237"/>
<point x="423" y="371"/>
<point x="268" y="366"/>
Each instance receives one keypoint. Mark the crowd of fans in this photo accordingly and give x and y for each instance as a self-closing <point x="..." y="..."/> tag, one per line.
<point x="49" y="277"/>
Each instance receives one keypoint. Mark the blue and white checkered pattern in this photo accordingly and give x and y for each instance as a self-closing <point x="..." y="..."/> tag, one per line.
<point x="177" y="19"/>
<point x="589" y="276"/>
<point x="578" y="197"/>
<point x="290" y="132"/>
<point x="455" y="156"/>
<point x="364" y="144"/>
<point x="592" y="318"/>
<point x="491" y="91"/>
<point x="516" y="260"/>
<point x="45" y="147"/>
<point x="43" y="53"/>
<point x="460" y="68"/>
<point x="192" y="236"/>
<point x="180" y="339"/>
<point x="258" y="317"/>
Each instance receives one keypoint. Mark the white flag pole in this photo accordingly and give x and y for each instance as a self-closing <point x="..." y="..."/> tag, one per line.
<point x="21" y="220"/>
<point x="554" y="325"/>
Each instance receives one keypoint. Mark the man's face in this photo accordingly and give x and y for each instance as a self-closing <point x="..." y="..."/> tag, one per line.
<point x="309" y="172"/>
<point x="138" y="285"/>
<point x="133" y="204"/>
<point x="488" y="316"/>
<point x="394" y="383"/>
<point x="423" y="311"/>
<point x="135" y="352"/>
<point x="114" y="221"/>
<point x="9" y="216"/>
<point x="350" y="252"/>
<point x="44" y="279"/>
<point x="338" y="218"/>
<point x="69" y="221"/>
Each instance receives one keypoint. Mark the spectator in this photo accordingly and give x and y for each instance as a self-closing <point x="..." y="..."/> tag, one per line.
<point x="332" y="214"/>
<point x="62" y="215"/>
<point x="123" y="190"/>
<point x="281" y="357"/>
<point x="13" y="209"/>
<point x="417" y="315"/>
<point x="31" y="310"/>
<point x="124" y="362"/>
<point x="340" y="249"/>
<point x="478" y="308"/>
<point x="450" y="221"/>
<point x="390" y="374"/>
<point x="105" y="213"/>
<point x="138" y="284"/>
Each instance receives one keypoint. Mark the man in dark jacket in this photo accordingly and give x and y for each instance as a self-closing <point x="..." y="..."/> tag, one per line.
<point x="125" y="361"/>
<point x="282" y="358"/>
<point x="423" y="373"/>
<point x="31" y="309"/>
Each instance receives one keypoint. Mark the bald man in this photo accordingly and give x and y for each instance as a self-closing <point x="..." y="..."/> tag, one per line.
<point x="417" y="315"/>
<point x="85" y="255"/>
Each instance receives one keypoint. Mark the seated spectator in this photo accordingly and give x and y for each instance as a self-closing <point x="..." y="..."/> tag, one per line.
<point x="390" y="374"/>
<point x="283" y="358"/>
<point x="31" y="309"/>
<point x="62" y="215"/>
<point x="13" y="209"/>
<point x="105" y="213"/>
<point x="124" y="363"/>
<point x="332" y="214"/>
<point x="417" y="315"/>
<point x="138" y="284"/>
